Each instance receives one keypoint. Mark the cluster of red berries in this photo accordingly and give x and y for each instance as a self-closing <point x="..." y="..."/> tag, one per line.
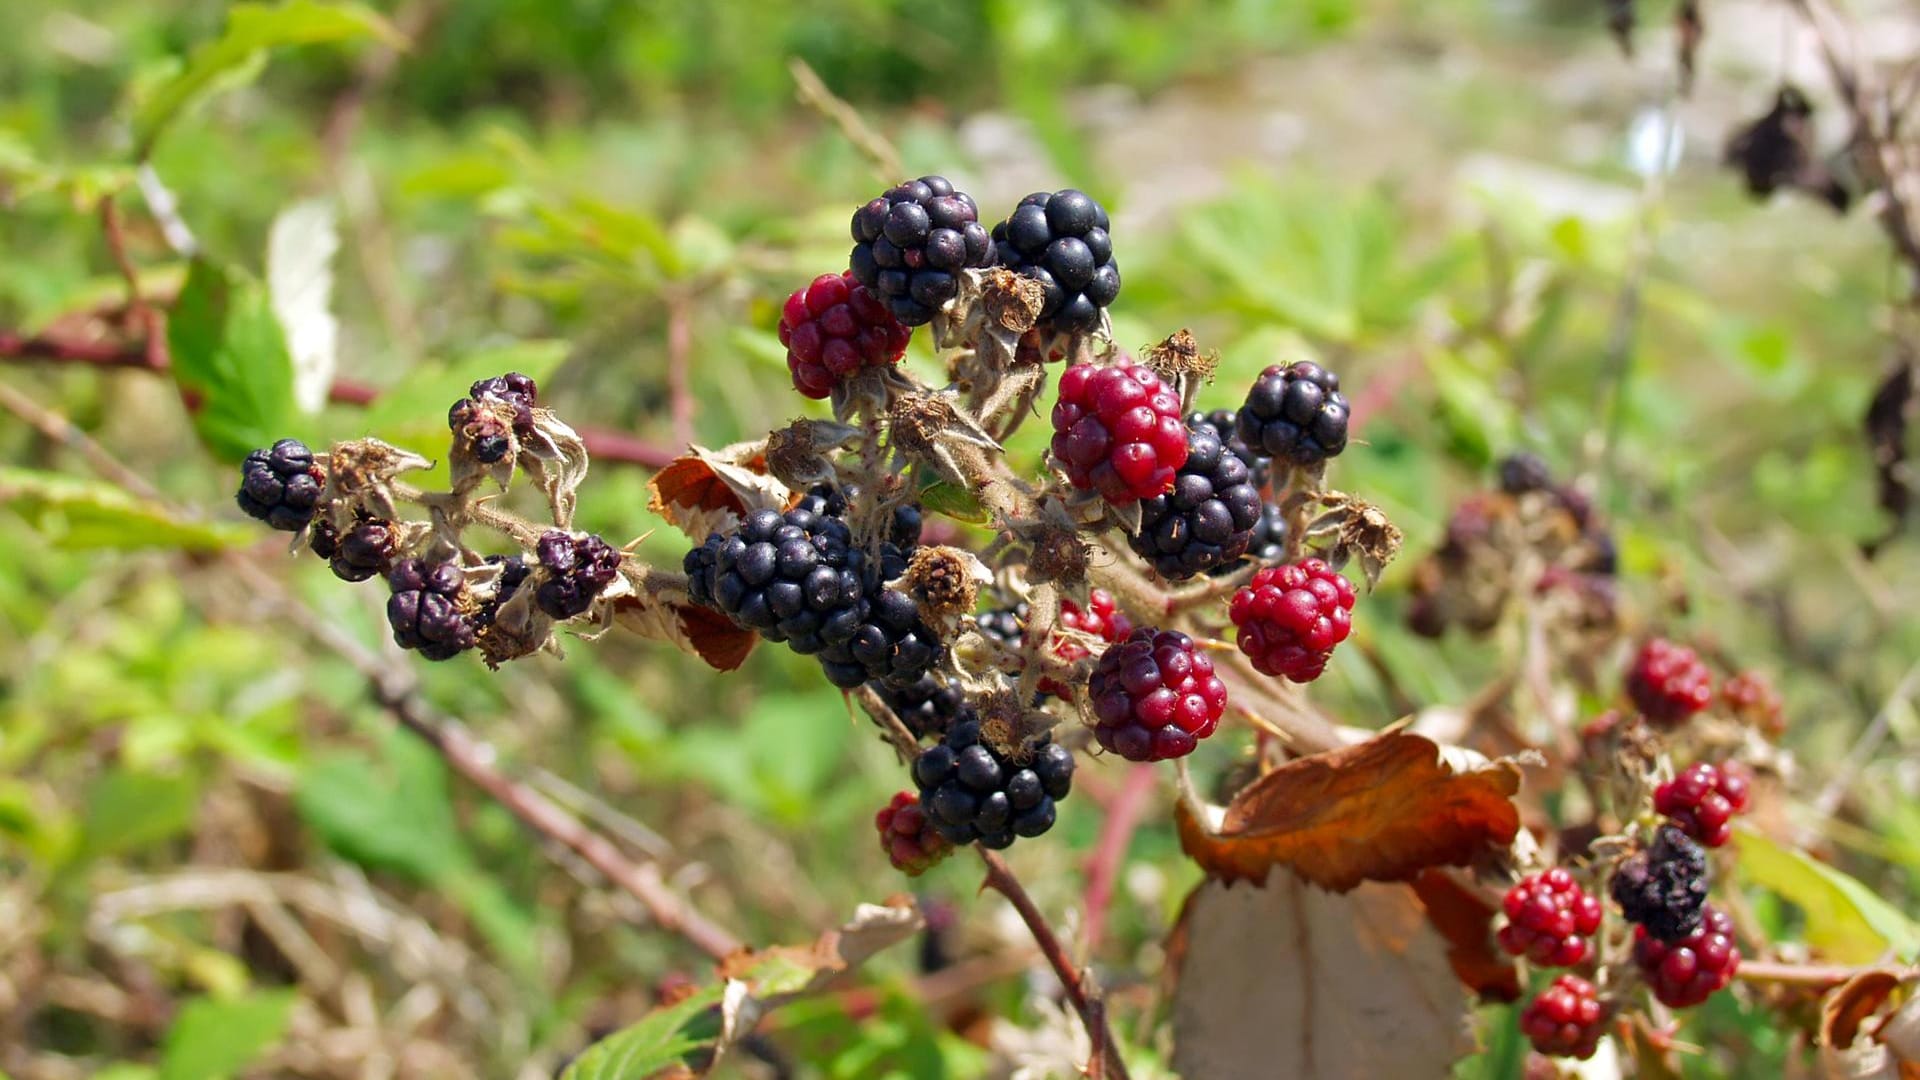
<point x="1101" y="618"/>
<point x="1291" y="617"/>
<point x="1566" y="1019"/>
<point x="908" y="837"/>
<point x="1703" y="799"/>
<point x="1549" y="919"/>
<point x="1668" y="683"/>
<point x="1688" y="970"/>
<point x="833" y="328"/>
<point x="1156" y="696"/>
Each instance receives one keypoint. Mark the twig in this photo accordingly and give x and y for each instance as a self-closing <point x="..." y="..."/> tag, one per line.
<point x="679" y="361"/>
<point x="62" y="431"/>
<point x="1816" y="976"/>
<point x="1080" y="990"/>
<point x="1110" y="851"/>
<point x="1827" y="803"/>
<point x="814" y="95"/>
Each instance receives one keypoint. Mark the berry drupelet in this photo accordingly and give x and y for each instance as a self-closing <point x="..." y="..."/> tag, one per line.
<point x="1296" y="414"/>
<point x="1566" y="1020"/>
<point x="281" y="485"/>
<point x="1702" y="800"/>
<point x="974" y="792"/>
<point x="1291" y="617"/>
<point x="1549" y="919"/>
<point x="1060" y="239"/>
<point x="1664" y="888"/>
<point x="1668" y="683"/>
<point x="1523" y="472"/>
<point x="1118" y="431"/>
<point x="577" y="569"/>
<point x="1156" y="696"/>
<point x="427" y="608"/>
<point x="1687" y="970"/>
<point x="911" y="243"/>
<point x="928" y="706"/>
<point x="833" y="328"/>
<point x="1208" y="519"/>
<point x="908" y="837"/>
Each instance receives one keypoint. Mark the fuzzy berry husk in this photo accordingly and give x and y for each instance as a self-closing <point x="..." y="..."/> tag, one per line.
<point x="1687" y="970"/>
<point x="1208" y="519"/>
<point x="578" y="567"/>
<point x="1060" y="239"/>
<point x="908" y="837"/>
<point x="1156" y="696"/>
<point x="427" y="608"/>
<point x="362" y="552"/>
<point x="1118" y="431"/>
<point x="1295" y="413"/>
<point x="1664" y="888"/>
<point x="281" y="485"/>
<point x="1668" y="683"/>
<point x="1566" y="1020"/>
<point x="912" y="242"/>
<point x="973" y="791"/>
<point x="1702" y="800"/>
<point x="833" y="328"/>
<point x="1753" y="700"/>
<point x="1549" y="919"/>
<point x="1291" y="617"/>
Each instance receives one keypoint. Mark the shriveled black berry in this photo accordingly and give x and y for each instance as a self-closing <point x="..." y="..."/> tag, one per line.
<point x="1523" y="472"/>
<point x="514" y="573"/>
<point x="928" y="706"/>
<point x="281" y="485"/>
<point x="974" y="792"/>
<point x="1295" y="414"/>
<point x="1664" y="888"/>
<point x="911" y="242"/>
<point x="1060" y="239"/>
<point x="425" y="609"/>
<point x="578" y="568"/>
<point x="362" y="552"/>
<point x="1208" y="519"/>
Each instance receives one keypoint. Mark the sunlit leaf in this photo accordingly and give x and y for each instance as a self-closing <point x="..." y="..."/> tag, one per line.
<point x="80" y="513"/>
<point x="230" y="356"/>
<point x="213" y="1039"/>
<point x="1845" y="920"/>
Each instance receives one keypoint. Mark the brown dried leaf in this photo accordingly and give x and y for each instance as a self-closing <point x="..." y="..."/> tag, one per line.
<point x="1465" y="920"/>
<point x="1850" y="1003"/>
<point x="784" y="972"/>
<point x="705" y="491"/>
<point x="1382" y="810"/>
<point x="707" y="634"/>
<point x="1292" y="981"/>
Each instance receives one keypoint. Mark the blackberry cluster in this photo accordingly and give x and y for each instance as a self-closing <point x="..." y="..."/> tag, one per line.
<point x="1687" y="970"/>
<point x="577" y="569"/>
<point x="1549" y="919"/>
<point x="1207" y="520"/>
<point x="1291" y="617"/>
<point x="911" y="243"/>
<point x="281" y="485"/>
<point x="488" y="438"/>
<point x="1703" y="799"/>
<point x="1566" y="1020"/>
<point x="928" y="706"/>
<point x="1668" y="683"/>
<point x="428" y="608"/>
<point x="1269" y="540"/>
<point x="1156" y="696"/>
<point x="1118" y="430"/>
<point x="1664" y="888"/>
<point x="1060" y="240"/>
<point x="1007" y="625"/>
<point x="1295" y="414"/>
<point x="908" y="837"/>
<point x="1226" y="424"/>
<point x="833" y="328"/>
<point x="363" y="552"/>
<point x="974" y="792"/>
<point x="903" y="531"/>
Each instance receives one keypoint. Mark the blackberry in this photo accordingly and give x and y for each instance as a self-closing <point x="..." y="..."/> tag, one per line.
<point x="1156" y="696"/>
<point x="928" y="706"/>
<point x="365" y="551"/>
<point x="514" y="573"/>
<point x="1703" y="799"/>
<point x="1295" y="414"/>
<point x="1549" y="919"/>
<point x="281" y="485"/>
<point x="1687" y="970"/>
<point x="1290" y="618"/>
<point x="426" y="609"/>
<point x="1523" y="472"/>
<point x="1208" y="519"/>
<point x="1566" y="1020"/>
<point x="903" y="531"/>
<point x="1668" y="683"/>
<point x="480" y="429"/>
<point x="911" y="243"/>
<point x="908" y="837"/>
<point x="974" y="792"/>
<point x="833" y="328"/>
<point x="578" y="568"/>
<point x="1664" y="888"/>
<point x="1060" y="240"/>
<point x="1269" y="541"/>
<point x="1007" y="625"/>
<point x="892" y="643"/>
<point x="1226" y="424"/>
<point x="1118" y="430"/>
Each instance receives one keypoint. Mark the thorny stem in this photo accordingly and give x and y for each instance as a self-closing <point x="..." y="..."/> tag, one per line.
<point x="890" y="724"/>
<point x="1081" y="991"/>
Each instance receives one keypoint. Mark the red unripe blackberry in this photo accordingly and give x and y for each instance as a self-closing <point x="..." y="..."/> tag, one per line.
<point x="1549" y="919"/>
<point x="281" y="485"/>
<point x="1291" y="617"/>
<point x="1703" y="799"/>
<point x="1118" y="431"/>
<point x="1687" y="971"/>
<point x="1753" y="700"/>
<point x="833" y="328"/>
<point x="1668" y="683"/>
<point x="908" y="837"/>
<point x="1100" y="618"/>
<point x="1156" y="696"/>
<point x="1566" y="1020"/>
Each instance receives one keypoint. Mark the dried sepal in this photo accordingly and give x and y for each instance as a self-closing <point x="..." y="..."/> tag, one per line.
<point x="796" y="455"/>
<point x="360" y="477"/>
<point x="514" y="628"/>
<point x="928" y="427"/>
<point x="868" y="392"/>
<point x="944" y="583"/>
<point x="1357" y="530"/>
<point x="1181" y="362"/>
<point x="555" y="457"/>
<point x="661" y="615"/>
<point x="1088" y="511"/>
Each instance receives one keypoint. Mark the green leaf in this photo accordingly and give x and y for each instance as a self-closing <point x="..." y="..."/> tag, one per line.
<point x="239" y="54"/>
<point x="213" y="1039"/>
<point x="390" y="813"/>
<point x="81" y="513"/>
<point x="954" y="501"/>
<point x="229" y="351"/>
<point x="127" y="810"/>
<point x="1845" y="919"/>
<point x="663" y="1038"/>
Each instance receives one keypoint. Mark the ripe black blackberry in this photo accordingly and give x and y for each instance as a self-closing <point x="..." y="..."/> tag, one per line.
<point x="1226" y="424"/>
<point x="974" y="792"/>
<point x="1007" y="625"/>
<point x="892" y="644"/>
<point x="364" y="551"/>
<point x="427" y="608"/>
<point x="1060" y="240"/>
<point x="1295" y="414"/>
<point x="468" y="420"/>
<point x="578" y="568"/>
<point x="281" y="485"/>
<point x="1664" y="888"/>
<point x="928" y="706"/>
<point x="1523" y="472"/>
<point x="1208" y="519"/>
<point x="911" y="243"/>
<point x="514" y="573"/>
<point x="830" y="501"/>
<point x="1269" y="541"/>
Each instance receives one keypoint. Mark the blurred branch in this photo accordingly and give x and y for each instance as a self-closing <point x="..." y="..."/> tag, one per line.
<point x="64" y="432"/>
<point x="1814" y="976"/>
<point x="1110" y="851"/>
<point x="679" y="363"/>
<point x="813" y="94"/>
